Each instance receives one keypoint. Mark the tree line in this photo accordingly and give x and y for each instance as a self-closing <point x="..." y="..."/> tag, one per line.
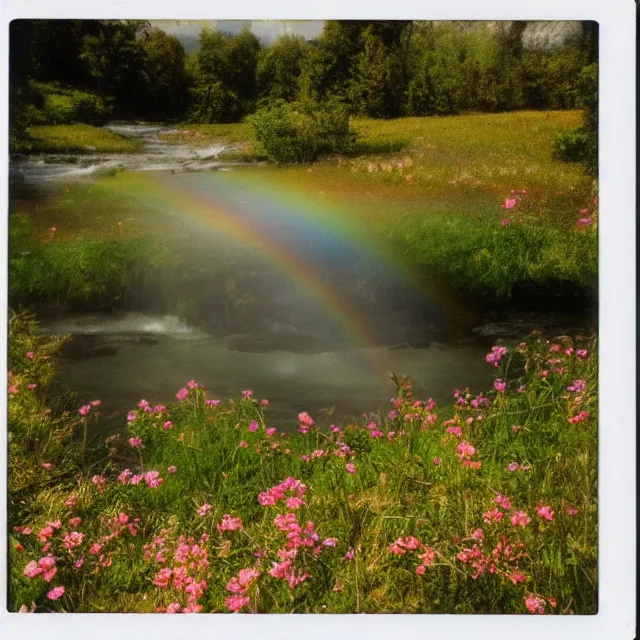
<point x="381" y="69"/>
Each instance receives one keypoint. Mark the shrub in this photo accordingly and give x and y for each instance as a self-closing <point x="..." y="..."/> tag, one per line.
<point x="302" y="131"/>
<point x="57" y="105"/>
<point x="571" y="145"/>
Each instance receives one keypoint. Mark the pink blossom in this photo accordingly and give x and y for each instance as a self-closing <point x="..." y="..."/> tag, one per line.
<point x="578" y="386"/>
<point x="229" y="524"/>
<point x="520" y="519"/>
<point x="32" y="387"/>
<point x="505" y="222"/>
<point x="580" y="417"/>
<point x="294" y="502"/>
<point x="47" y="466"/>
<point x="303" y="429"/>
<point x="32" y="570"/>
<point x="124" y="476"/>
<point x="95" y="403"/>
<point x="305" y="419"/>
<point x="182" y="394"/>
<point x="253" y="426"/>
<point x="172" y="469"/>
<point x="95" y="548"/>
<point x="135" y="442"/>
<point x="264" y="402"/>
<point x="84" y="410"/>
<point x="493" y="516"/>
<point x="131" y="416"/>
<point x="74" y="522"/>
<point x="237" y="602"/>
<point x="31" y="355"/>
<point x="247" y="394"/>
<point x="73" y="539"/>
<point x="582" y="353"/>
<point x="496" y="355"/>
<point x="192" y="384"/>
<point x="153" y="479"/>
<point x="517" y="576"/>
<point x="499" y="385"/>
<point x="437" y="461"/>
<point x="55" y="593"/>
<point x="99" y="481"/>
<point x="204" y="509"/>
<point x="503" y="501"/>
<point x="270" y="431"/>
<point x="173" y="607"/>
<point x="584" y="222"/>
<point x="510" y="203"/>
<point x="167" y="425"/>
<point x="534" y="604"/>
<point x="513" y="466"/>
<point x="456" y="431"/>
<point x="350" y="467"/>
<point x="572" y="511"/>
<point x="243" y="444"/>
<point x="465" y="450"/>
<point x="350" y="555"/>
<point x="545" y="512"/>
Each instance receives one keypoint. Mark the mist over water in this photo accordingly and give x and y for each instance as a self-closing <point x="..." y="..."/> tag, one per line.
<point x="258" y="294"/>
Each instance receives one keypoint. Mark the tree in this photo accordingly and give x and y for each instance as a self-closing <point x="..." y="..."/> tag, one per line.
<point x="279" y="68"/>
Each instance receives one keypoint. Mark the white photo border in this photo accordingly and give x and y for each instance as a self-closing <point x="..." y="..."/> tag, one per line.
<point x="617" y="336"/>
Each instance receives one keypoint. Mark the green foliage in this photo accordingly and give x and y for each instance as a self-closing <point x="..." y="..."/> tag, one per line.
<point x="302" y="132"/>
<point x="411" y="481"/>
<point x="68" y="106"/>
<point x="279" y="68"/>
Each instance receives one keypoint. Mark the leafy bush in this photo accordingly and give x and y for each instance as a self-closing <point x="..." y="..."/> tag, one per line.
<point x="57" y="105"/>
<point x="303" y="131"/>
<point x="571" y="145"/>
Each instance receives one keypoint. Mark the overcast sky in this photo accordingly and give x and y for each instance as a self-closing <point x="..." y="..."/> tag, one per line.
<point x="188" y="31"/>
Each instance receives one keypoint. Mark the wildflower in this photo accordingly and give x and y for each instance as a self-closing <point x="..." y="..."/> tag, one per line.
<point x="580" y="417"/>
<point x="135" y="442"/>
<point x="212" y="403"/>
<point x="229" y="524"/>
<point x="495" y="356"/>
<point x="350" y="467"/>
<point x="172" y="468"/>
<point x="237" y="602"/>
<point x="182" y="394"/>
<point x="517" y="576"/>
<point x="243" y="444"/>
<point x="493" y="516"/>
<point x="95" y="548"/>
<point x="84" y="410"/>
<point x="247" y="394"/>
<point x="465" y="450"/>
<point x="350" y="555"/>
<point x="582" y="353"/>
<point x="510" y="203"/>
<point x="520" y="519"/>
<point x="253" y="426"/>
<point x="78" y="563"/>
<point x="167" y="425"/>
<point x="73" y="539"/>
<point x="32" y="570"/>
<point x="163" y="577"/>
<point x="204" y="509"/>
<point x="437" y="461"/>
<point x="294" y="503"/>
<point x="545" y="512"/>
<point x="305" y="419"/>
<point x="99" y="481"/>
<point x="192" y="384"/>
<point x="505" y="222"/>
<point x="173" y="607"/>
<point x="71" y="501"/>
<point x="270" y="431"/>
<point x="514" y="466"/>
<point x="534" y="604"/>
<point x="55" y="593"/>
<point x="31" y="355"/>
<point x="503" y="501"/>
<point x="456" y="431"/>
<point x="572" y="511"/>
<point x="53" y="229"/>
<point x="499" y="385"/>
<point x="131" y="416"/>
<point x="392" y="415"/>
<point x="264" y="402"/>
<point x="47" y="466"/>
<point x="583" y="222"/>
<point x="578" y="386"/>
<point x="472" y="464"/>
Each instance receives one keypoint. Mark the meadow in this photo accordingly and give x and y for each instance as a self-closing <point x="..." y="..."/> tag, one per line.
<point x="484" y="505"/>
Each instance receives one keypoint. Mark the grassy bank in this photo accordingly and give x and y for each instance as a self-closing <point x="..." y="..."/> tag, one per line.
<point x="487" y="505"/>
<point x="74" y="138"/>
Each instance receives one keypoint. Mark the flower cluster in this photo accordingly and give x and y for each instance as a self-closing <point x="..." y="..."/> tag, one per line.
<point x="238" y="586"/>
<point x="279" y="492"/>
<point x="411" y="543"/>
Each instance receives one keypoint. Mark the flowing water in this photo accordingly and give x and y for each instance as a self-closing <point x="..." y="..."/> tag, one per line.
<point x="265" y="291"/>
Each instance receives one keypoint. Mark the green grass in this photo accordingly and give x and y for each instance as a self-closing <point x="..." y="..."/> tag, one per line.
<point x="75" y="138"/>
<point x="397" y="491"/>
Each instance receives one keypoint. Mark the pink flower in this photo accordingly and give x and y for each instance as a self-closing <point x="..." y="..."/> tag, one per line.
<point x="253" y="426"/>
<point x="578" y="386"/>
<point x="229" y="524"/>
<point x="350" y="555"/>
<point x="534" y="604"/>
<point x="465" y="450"/>
<point x="95" y="548"/>
<point x="73" y="539"/>
<point x="243" y="444"/>
<point x="305" y="419"/>
<point x="294" y="502"/>
<point x="74" y="522"/>
<point x="131" y="416"/>
<point x="350" y="467"/>
<point x="99" y="481"/>
<point x="572" y="511"/>
<point x="135" y="442"/>
<point x="495" y="356"/>
<point x="172" y="469"/>
<point x="47" y="466"/>
<point x="84" y="410"/>
<point x="499" y="385"/>
<point x="517" y="576"/>
<point x="124" y="476"/>
<point x="505" y="222"/>
<point x="437" y="461"/>
<point x="182" y="394"/>
<point x="270" y="431"/>
<point x="510" y="203"/>
<point x="513" y="466"/>
<point x="247" y="394"/>
<point x="264" y="402"/>
<point x="582" y="353"/>
<point x="493" y="516"/>
<point x="32" y="570"/>
<point x="503" y="501"/>
<point x="580" y="417"/>
<point x="212" y="403"/>
<point x="55" y="593"/>
<point x="167" y="425"/>
<point x="204" y="509"/>
<point x="192" y="384"/>
<point x="237" y="602"/>
<point x="53" y="229"/>
<point x="303" y="429"/>
<point x="520" y="519"/>
<point x="31" y="355"/>
<point x="173" y="607"/>
<point x="584" y="222"/>
<point x="545" y="512"/>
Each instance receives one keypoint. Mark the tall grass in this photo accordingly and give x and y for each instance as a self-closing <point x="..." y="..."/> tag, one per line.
<point x="487" y="505"/>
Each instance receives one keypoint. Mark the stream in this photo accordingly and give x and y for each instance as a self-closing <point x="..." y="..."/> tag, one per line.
<point x="300" y="312"/>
